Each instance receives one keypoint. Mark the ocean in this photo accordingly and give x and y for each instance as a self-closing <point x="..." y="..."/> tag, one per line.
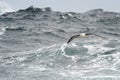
<point x="33" y="45"/>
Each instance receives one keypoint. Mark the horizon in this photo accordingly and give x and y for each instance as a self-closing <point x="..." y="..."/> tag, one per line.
<point x="63" y="6"/>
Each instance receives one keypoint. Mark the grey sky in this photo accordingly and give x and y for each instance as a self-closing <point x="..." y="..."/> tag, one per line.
<point x="67" y="5"/>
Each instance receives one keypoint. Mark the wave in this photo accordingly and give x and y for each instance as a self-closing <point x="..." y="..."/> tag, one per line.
<point x="35" y="10"/>
<point x="15" y="29"/>
<point x="38" y="48"/>
<point x="54" y="34"/>
<point x="57" y="59"/>
<point x="112" y="34"/>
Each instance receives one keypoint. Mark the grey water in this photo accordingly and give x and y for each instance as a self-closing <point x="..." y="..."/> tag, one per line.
<point x="33" y="45"/>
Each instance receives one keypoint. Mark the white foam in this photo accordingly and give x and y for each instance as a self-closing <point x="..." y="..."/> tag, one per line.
<point x="38" y="68"/>
<point x="21" y="58"/>
<point x="2" y="31"/>
<point x="93" y="49"/>
<point x="73" y="44"/>
<point x="69" y="14"/>
<point x="46" y="47"/>
<point x="63" y="17"/>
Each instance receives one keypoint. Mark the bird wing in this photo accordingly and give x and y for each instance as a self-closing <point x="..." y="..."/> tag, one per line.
<point x="99" y="36"/>
<point x="76" y="36"/>
<point x="73" y="37"/>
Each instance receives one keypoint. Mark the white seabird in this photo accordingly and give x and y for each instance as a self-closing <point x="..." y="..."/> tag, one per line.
<point x="82" y="35"/>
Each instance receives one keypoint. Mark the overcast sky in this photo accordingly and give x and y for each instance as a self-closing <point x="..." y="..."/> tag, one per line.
<point x="67" y="5"/>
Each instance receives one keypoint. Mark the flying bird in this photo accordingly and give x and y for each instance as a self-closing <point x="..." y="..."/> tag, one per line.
<point x="83" y="35"/>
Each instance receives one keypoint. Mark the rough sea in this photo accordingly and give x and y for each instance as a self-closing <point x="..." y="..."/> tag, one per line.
<point x="33" y="45"/>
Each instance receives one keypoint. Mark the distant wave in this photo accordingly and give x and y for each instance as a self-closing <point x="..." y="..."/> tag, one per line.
<point x="15" y="29"/>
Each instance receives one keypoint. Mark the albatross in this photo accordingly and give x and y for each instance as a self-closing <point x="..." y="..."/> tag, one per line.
<point x="83" y="35"/>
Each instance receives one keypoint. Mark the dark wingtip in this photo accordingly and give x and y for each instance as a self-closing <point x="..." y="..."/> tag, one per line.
<point x="69" y="41"/>
<point x="73" y="37"/>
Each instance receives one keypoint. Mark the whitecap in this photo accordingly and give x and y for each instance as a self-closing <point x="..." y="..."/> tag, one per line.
<point x="2" y="31"/>
<point x="37" y="68"/>
<point x="94" y="49"/>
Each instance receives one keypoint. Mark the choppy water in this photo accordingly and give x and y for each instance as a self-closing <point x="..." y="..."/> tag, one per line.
<point x="40" y="52"/>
